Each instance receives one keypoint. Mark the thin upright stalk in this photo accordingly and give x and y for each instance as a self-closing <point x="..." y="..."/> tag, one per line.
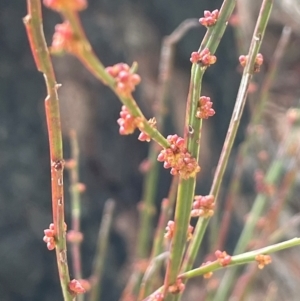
<point x="101" y="251"/>
<point x="147" y="208"/>
<point x="75" y="205"/>
<point x="256" y="118"/>
<point x="34" y="27"/>
<point x="192" y="132"/>
<point x="232" y="130"/>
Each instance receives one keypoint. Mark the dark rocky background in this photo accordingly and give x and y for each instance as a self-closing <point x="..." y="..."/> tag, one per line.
<point x="124" y="30"/>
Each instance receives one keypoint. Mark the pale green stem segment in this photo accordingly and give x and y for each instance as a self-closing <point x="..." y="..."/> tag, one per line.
<point x="233" y="126"/>
<point x="235" y="260"/>
<point x="192" y="131"/>
<point x="241" y="259"/>
<point x="101" y="251"/>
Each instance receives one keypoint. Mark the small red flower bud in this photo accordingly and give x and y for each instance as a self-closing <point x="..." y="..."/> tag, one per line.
<point x="74" y="237"/>
<point x="205" y="109"/>
<point x="258" y="61"/>
<point x="210" y="18"/>
<point x="65" y="5"/>
<point x="125" y="79"/>
<point x="177" y="287"/>
<point x="263" y="260"/>
<point x="178" y="159"/>
<point x="223" y="258"/>
<point x="170" y="230"/>
<point x="205" y="58"/>
<point x="75" y="287"/>
<point x="49" y="232"/>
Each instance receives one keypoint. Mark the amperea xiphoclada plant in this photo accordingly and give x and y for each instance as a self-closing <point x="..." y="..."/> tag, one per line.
<point x="179" y="154"/>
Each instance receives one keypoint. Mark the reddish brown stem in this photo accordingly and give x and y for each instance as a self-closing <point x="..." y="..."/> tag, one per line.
<point x="33" y="24"/>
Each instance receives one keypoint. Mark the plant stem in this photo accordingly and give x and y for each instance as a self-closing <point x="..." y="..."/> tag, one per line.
<point x="192" y="132"/>
<point x="75" y="205"/>
<point x="34" y="27"/>
<point x="241" y="258"/>
<point x="86" y="55"/>
<point x="102" y="245"/>
<point x="243" y="149"/>
<point x="232" y="130"/>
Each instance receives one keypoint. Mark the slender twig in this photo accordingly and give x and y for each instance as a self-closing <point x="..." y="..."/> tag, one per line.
<point x="34" y="27"/>
<point x="86" y="55"/>
<point x="150" y="186"/>
<point x="192" y="132"/>
<point x="102" y="246"/>
<point x="257" y="116"/>
<point x="260" y="202"/>
<point x="236" y="260"/>
<point x="75" y="206"/>
<point x="147" y="207"/>
<point x="232" y="130"/>
<point x="241" y="258"/>
<point x="165" y="215"/>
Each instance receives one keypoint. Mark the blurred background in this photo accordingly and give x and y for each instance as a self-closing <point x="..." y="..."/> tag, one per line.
<point x="120" y="31"/>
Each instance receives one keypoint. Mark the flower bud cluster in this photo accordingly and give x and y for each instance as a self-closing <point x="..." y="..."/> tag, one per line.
<point x="203" y="206"/>
<point x="65" y="5"/>
<point x="190" y="232"/>
<point x="144" y="136"/>
<point x="223" y="258"/>
<point x="75" y="287"/>
<point x="49" y="237"/>
<point x="177" y="287"/>
<point x="210" y="18"/>
<point x="205" y="109"/>
<point x="127" y="122"/>
<point x="63" y="38"/>
<point x="258" y="61"/>
<point x="178" y="158"/>
<point x="170" y="230"/>
<point x="156" y="297"/>
<point x="205" y="58"/>
<point x="263" y="260"/>
<point x="125" y="78"/>
<point x="74" y="237"/>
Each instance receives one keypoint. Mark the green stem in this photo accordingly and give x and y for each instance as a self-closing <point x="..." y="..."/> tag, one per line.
<point x="192" y="131"/>
<point x="233" y="126"/>
<point x="75" y="208"/>
<point x="86" y="55"/>
<point x="34" y="27"/>
<point x="75" y="204"/>
<point x="259" y="205"/>
<point x="256" y="118"/>
<point x="241" y="259"/>
<point x="101" y="251"/>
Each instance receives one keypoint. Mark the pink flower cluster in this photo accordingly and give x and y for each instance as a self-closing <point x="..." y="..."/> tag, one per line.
<point x="61" y="5"/>
<point x="126" y="80"/>
<point x="223" y="258"/>
<point x="203" y="206"/>
<point x="205" y="109"/>
<point x="178" y="158"/>
<point x="205" y="58"/>
<point x="210" y="18"/>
